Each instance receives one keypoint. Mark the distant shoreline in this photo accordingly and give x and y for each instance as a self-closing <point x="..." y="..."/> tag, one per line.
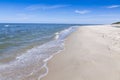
<point x="116" y="23"/>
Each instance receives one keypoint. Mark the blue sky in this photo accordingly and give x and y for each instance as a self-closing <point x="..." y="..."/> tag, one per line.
<point x="60" y="11"/>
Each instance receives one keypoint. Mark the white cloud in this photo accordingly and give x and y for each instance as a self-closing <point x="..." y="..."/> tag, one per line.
<point x="44" y="7"/>
<point x="113" y="6"/>
<point x="82" y="11"/>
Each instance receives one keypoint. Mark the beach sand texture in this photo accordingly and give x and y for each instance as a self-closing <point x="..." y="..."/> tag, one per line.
<point x="91" y="53"/>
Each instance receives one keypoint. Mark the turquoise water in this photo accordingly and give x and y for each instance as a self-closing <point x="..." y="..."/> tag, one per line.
<point x="26" y="48"/>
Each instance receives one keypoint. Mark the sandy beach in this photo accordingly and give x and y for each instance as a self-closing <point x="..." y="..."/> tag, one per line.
<point x="91" y="53"/>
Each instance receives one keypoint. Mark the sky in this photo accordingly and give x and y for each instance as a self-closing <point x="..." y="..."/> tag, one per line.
<point x="60" y="11"/>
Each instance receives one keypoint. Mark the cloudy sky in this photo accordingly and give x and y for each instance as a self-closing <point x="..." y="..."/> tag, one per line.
<point x="60" y="11"/>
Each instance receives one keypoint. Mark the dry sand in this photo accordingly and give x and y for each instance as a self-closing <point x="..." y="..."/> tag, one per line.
<point x="91" y="53"/>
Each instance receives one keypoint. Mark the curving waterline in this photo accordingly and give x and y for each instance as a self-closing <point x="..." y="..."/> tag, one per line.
<point x="46" y="60"/>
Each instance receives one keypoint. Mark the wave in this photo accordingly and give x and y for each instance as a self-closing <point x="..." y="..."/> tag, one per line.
<point x="33" y="63"/>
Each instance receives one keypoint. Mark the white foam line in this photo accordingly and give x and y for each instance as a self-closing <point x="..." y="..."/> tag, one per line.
<point x="46" y="61"/>
<point x="45" y="65"/>
<point x="41" y="76"/>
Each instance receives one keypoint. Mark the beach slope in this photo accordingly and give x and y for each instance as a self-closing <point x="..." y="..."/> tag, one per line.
<point x="91" y="53"/>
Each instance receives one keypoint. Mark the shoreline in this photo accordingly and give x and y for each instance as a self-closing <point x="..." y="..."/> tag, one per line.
<point x="52" y="56"/>
<point x="68" y="66"/>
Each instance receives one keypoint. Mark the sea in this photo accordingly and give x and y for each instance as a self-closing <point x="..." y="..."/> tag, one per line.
<point x="25" y="48"/>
